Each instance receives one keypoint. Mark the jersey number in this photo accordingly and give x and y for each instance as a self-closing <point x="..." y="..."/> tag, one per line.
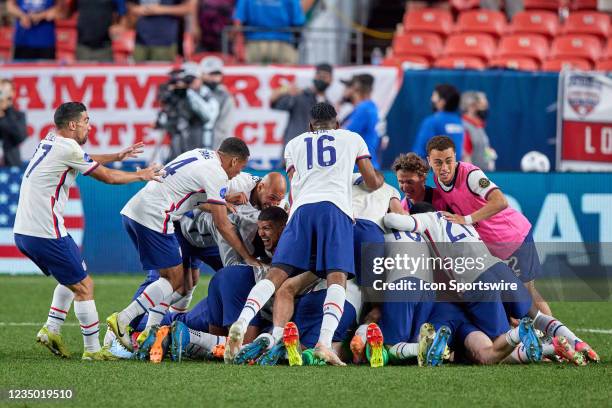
<point x="323" y="161"/>
<point x="46" y="148"/>
<point x="171" y="168"/>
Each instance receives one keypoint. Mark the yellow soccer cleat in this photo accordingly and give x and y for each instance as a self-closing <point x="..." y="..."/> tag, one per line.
<point x="291" y="340"/>
<point x="53" y="341"/>
<point x="426" y="336"/>
<point x="121" y="333"/>
<point x="374" y="337"/>
<point x="103" y="354"/>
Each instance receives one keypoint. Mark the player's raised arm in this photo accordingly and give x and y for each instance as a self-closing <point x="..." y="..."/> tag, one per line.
<point x="372" y="179"/>
<point x="111" y="176"/>
<point x="130" y="152"/>
<point x="402" y="222"/>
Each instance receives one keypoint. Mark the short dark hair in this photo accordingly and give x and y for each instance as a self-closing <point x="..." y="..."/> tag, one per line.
<point x="322" y="114"/>
<point x="450" y="95"/>
<point x="274" y="214"/>
<point x="421" y="207"/>
<point x="410" y="162"/>
<point x="365" y="82"/>
<point x="233" y="146"/>
<point x="325" y="67"/>
<point x="68" y="112"/>
<point x="440" y="143"/>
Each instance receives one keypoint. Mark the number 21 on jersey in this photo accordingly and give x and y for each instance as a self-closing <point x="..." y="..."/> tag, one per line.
<point x="325" y="151"/>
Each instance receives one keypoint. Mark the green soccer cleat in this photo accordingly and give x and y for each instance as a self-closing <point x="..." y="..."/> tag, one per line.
<point x="103" y="354"/>
<point x="309" y="358"/>
<point x="121" y="333"/>
<point x="53" y="341"/>
<point x="426" y="336"/>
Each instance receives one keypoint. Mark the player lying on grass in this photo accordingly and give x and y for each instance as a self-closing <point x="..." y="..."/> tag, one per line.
<point x="41" y="235"/>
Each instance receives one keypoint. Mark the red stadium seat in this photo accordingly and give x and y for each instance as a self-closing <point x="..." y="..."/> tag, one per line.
<point x="399" y="61"/>
<point x="588" y="22"/>
<point x="429" y="20"/>
<point x="535" y="22"/>
<point x="576" y="46"/>
<point x="557" y="64"/>
<point x="552" y="5"/>
<point x="6" y="38"/>
<point x="523" y="45"/>
<point x="67" y="22"/>
<point x="605" y="65"/>
<point x="459" y="63"/>
<point x="66" y="39"/>
<point x="463" y="5"/>
<point x="417" y="44"/>
<point x="519" y="63"/>
<point x="125" y="42"/>
<point x="470" y="45"/>
<point x="607" y="53"/>
<point x="482" y="21"/>
<point x="583" y="5"/>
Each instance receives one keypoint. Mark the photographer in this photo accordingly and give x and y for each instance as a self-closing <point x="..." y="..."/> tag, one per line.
<point x="189" y="111"/>
<point x="12" y="125"/>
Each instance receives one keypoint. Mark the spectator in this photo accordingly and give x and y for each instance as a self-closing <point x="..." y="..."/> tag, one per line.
<point x="477" y="148"/>
<point x="269" y="46"/>
<point x="212" y="16"/>
<point x="211" y="71"/>
<point x="445" y="121"/>
<point x="34" y="36"/>
<point x="364" y="117"/>
<point x="12" y="125"/>
<point x="511" y="6"/>
<point x="411" y="172"/>
<point x="157" y="27"/>
<point x="97" y="24"/>
<point x="298" y="103"/>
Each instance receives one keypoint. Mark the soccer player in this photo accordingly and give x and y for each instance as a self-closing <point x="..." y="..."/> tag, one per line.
<point x="259" y="192"/>
<point x="194" y="177"/>
<point x="320" y="167"/>
<point x="411" y="172"/>
<point x="39" y="228"/>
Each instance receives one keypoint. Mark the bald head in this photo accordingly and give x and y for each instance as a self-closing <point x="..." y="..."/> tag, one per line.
<point x="271" y="190"/>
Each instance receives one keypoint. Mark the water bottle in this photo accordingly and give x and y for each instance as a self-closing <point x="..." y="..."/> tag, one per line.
<point x="376" y="57"/>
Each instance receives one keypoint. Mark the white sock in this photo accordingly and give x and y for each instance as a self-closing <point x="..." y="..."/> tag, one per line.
<point x="87" y="315"/>
<point x="333" y="308"/>
<point x="150" y="297"/>
<point x="271" y="340"/>
<point x="553" y="327"/>
<point x="258" y="296"/>
<point x="205" y="340"/>
<point x="182" y="304"/>
<point x="157" y="313"/>
<point x="548" y="350"/>
<point x="403" y="351"/>
<point x="362" y="332"/>
<point x="518" y="356"/>
<point x="512" y="336"/>
<point x="277" y="334"/>
<point x="60" y="306"/>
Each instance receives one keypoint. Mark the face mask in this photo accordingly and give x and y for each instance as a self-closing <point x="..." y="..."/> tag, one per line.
<point x="482" y="114"/>
<point x="211" y="84"/>
<point x="320" y="85"/>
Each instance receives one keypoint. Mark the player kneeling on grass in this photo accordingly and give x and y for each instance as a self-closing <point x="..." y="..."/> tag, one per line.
<point x="40" y="232"/>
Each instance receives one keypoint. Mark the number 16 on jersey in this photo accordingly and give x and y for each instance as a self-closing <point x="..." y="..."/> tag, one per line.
<point x="326" y="153"/>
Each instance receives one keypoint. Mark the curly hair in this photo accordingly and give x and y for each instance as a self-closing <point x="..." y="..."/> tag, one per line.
<point x="410" y="162"/>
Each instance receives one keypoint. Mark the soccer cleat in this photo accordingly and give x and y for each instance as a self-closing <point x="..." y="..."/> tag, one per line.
<point x="309" y="358"/>
<point x="103" y="354"/>
<point x="117" y="349"/>
<point x="327" y="355"/>
<point x="374" y="337"/>
<point x="587" y="351"/>
<point x="435" y="354"/>
<point x="530" y="340"/>
<point x="291" y="340"/>
<point x="271" y="357"/>
<point x="218" y="351"/>
<point x="564" y="350"/>
<point x="251" y="351"/>
<point x="123" y="334"/>
<point x="358" y="349"/>
<point x="179" y="334"/>
<point x="53" y="341"/>
<point x="145" y="341"/>
<point x="426" y="337"/>
<point x="234" y="342"/>
<point x="160" y="345"/>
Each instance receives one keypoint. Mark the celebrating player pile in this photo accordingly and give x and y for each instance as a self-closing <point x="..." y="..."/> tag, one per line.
<point x="298" y="283"/>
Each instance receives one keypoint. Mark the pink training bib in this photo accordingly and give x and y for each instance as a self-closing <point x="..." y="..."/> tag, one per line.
<point x="503" y="233"/>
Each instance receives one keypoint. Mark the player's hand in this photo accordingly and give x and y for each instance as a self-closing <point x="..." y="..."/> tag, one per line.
<point x="253" y="262"/>
<point x="154" y="172"/>
<point x="230" y="207"/>
<point x="454" y="218"/>
<point x="131" y="152"/>
<point x="237" y="198"/>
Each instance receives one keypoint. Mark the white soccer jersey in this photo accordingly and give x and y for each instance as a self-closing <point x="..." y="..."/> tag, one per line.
<point x="193" y="178"/>
<point x="372" y="205"/>
<point x="243" y="183"/>
<point x="323" y="162"/>
<point x="459" y="243"/>
<point x="54" y="167"/>
<point x="412" y="253"/>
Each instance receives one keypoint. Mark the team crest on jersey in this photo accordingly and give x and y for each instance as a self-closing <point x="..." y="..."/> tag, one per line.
<point x="484" y="182"/>
<point x="87" y="158"/>
<point x="223" y="192"/>
<point x="583" y="94"/>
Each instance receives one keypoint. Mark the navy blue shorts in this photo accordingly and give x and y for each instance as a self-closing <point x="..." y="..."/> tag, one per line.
<point x="308" y="317"/>
<point x="525" y="261"/>
<point x="194" y="256"/>
<point x="197" y="318"/>
<point x="320" y="231"/>
<point x="368" y="243"/>
<point x="227" y="293"/>
<point x="59" y="257"/>
<point x="402" y="320"/>
<point x="156" y="250"/>
<point x="453" y="316"/>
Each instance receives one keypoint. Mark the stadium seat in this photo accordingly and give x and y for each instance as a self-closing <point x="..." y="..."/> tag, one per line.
<point x="605" y="65"/>
<point x="66" y="39"/>
<point x="607" y="53"/>
<point x="552" y="5"/>
<point x="588" y="22"/>
<point x="67" y="22"/>
<point x="463" y="5"/>
<point x="459" y="63"/>
<point x="557" y="64"/>
<point x="400" y="61"/>
<point x="429" y="20"/>
<point x="417" y="44"/>
<point x="123" y="46"/>
<point x="576" y="46"/>
<point x="519" y="63"/>
<point x="583" y="5"/>
<point x="523" y="45"/>
<point x="482" y="21"/>
<point x="470" y="45"/>
<point x="6" y="39"/>
<point x="535" y="22"/>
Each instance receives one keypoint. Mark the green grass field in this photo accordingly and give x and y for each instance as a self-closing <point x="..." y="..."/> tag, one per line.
<point x="25" y="364"/>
